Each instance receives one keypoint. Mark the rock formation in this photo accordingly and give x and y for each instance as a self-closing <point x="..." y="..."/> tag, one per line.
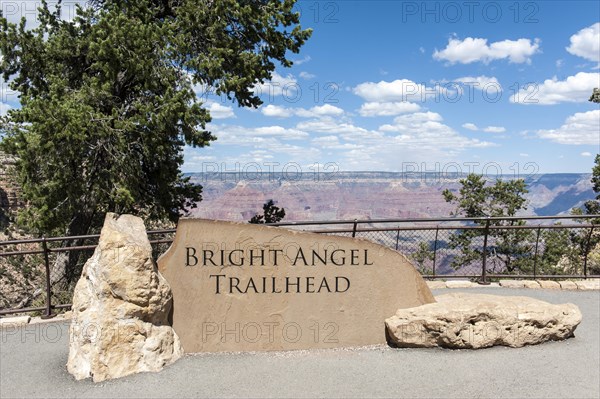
<point x="475" y="321"/>
<point x="121" y="306"/>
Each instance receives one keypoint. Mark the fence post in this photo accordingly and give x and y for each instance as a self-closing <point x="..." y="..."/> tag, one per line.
<point x="48" y="314"/>
<point x="435" y="244"/>
<point x="354" y="228"/>
<point x="535" y="261"/>
<point x="486" y="230"/>
<point x="397" y="237"/>
<point x="587" y="251"/>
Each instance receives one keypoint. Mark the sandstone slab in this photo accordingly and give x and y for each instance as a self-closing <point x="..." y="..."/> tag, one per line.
<point x="121" y="307"/>
<point x="532" y="284"/>
<point x="436" y="285"/>
<point x="459" y="284"/>
<point x="473" y="321"/>
<point x="588" y="285"/>
<point x="246" y="287"/>
<point x="568" y="285"/>
<point x="6" y="322"/>
<point x="512" y="283"/>
<point x="549" y="284"/>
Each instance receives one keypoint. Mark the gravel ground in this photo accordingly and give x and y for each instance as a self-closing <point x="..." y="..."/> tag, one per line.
<point x="32" y="364"/>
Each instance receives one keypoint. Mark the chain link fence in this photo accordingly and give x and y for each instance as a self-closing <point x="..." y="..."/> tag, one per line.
<point x="476" y="248"/>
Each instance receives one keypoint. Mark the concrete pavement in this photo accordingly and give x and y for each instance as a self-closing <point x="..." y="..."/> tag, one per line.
<point x="33" y="358"/>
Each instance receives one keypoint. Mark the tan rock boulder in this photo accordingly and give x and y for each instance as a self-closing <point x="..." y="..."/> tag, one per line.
<point x="587" y="285"/>
<point x="121" y="307"/>
<point x="436" y="284"/>
<point x="568" y="285"/>
<point x="549" y="284"/>
<point x="461" y="320"/>
<point x="459" y="284"/>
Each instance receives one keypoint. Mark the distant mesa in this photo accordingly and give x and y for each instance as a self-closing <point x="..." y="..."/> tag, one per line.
<point x="368" y="195"/>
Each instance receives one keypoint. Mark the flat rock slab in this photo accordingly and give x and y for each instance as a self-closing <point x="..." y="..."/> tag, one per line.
<point x="473" y="321"/>
<point x="531" y="284"/>
<point x="245" y="287"/>
<point x="568" y="285"/>
<point x="588" y="285"/>
<point x="459" y="284"/>
<point x="6" y="322"/>
<point x="512" y="283"/>
<point x="549" y="285"/>
<point x="436" y="285"/>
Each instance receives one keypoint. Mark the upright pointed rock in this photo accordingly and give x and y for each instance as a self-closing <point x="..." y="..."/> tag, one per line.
<point x="121" y="306"/>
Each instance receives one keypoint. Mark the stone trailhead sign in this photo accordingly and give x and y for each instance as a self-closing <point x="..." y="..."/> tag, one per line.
<point x="244" y="287"/>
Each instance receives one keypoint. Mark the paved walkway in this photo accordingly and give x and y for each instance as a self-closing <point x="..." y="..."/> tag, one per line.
<point x="32" y="364"/>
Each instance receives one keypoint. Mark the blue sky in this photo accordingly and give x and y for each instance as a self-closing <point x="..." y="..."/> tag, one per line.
<point x="378" y="87"/>
<point x="403" y="86"/>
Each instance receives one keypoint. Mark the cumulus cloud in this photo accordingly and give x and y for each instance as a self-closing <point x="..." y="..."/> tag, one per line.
<point x="478" y="82"/>
<point x="494" y="129"/>
<point x="472" y="50"/>
<point x="400" y="90"/>
<point x="387" y="109"/>
<point x="276" y="111"/>
<point x="302" y="60"/>
<point x="425" y="129"/>
<point x="586" y="154"/>
<point x="4" y="108"/>
<point x="586" y="43"/>
<point x="263" y="137"/>
<point x="277" y="86"/>
<point x="219" y="111"/>
<point x="579" y="129"/>
<point x="575" y="88"/>
<point x="314" y="112"/>
<point x="347" y="131"/>
<point x="320" y="110"/>
<point x="488" y="129"/>
<point x="306" y="75"/>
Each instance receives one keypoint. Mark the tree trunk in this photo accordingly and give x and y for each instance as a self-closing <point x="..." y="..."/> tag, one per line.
<point x="66" y="269"/>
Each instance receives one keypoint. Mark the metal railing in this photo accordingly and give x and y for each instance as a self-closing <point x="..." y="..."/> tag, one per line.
<point x="428" y="242"/>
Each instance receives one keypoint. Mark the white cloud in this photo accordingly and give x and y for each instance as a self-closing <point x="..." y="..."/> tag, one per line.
<point x="523" y="155"/>
<point x="577" y="88"/>
<point x="586" y="43"/>
<point x="426" y="130"/>
<point x="4" y="108"/>
<point x="472" y="50"/>
<point x="218" y="111"/>
<point x="347" y="131"/>
<point x="306" y="75"/>
<point x="277" y="86"/>
<point x="416" y="137"/>
<point x="586" y="154"/>
<point x="276" y="111"/>
<point x="314" y="112"/>
<point x="387" y="108"/>
<point x="332" y="142"/>
<point x="479" y="82"/>
<point x="494" y="129"/>
<point x="579" y="129"/>
<point x="399" y="90"/>
<point x="489" y="129"/>
<point x="320" y="110"/>
<point x="265" y="136"/>
<point x="302" y="60"/>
